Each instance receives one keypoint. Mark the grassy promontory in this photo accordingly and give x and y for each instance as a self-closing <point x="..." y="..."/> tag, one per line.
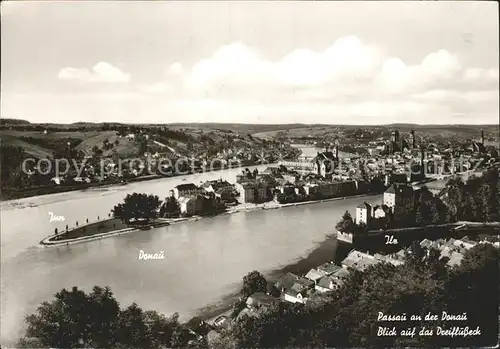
<point x="100" y="229"/>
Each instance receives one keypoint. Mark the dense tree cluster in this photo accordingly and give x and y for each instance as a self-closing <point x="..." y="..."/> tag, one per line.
<point x="11" y="159"/>
<point x="349" y="316"/>
<point x="137" y="207"/>
<point x="170" y="208"/>
<point x="430" y="209"/>
<point x="253" y="282"/>
<point x="177" y="135"/>
<point x="476" y="200"/>
<point x="346" y="223"/>
<point x="75" y="319"/>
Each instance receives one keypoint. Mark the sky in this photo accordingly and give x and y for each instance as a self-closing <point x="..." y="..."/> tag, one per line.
<point x="336" y="62"/>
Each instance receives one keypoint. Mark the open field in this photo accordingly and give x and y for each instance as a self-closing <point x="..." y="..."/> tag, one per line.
<point x="30" y="149"/>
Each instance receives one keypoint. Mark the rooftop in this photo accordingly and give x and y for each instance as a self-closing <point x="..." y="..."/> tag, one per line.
<point x="187" y="186"/>
<point x="328" y="268"/>
<point x="340" y="273"/>
<point x="326" y="280"/>
<point x="396" y="188"/>
<point x="314" y="274"/>
<point x="260" y="298"/>
<point x="365" y="205"/>
<point x="366" y="262"/>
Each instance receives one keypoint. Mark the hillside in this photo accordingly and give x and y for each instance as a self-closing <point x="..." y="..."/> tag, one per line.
<point x="33" y="150"/>
<point x="178" y="141"/>
<point x="199" y="138"/>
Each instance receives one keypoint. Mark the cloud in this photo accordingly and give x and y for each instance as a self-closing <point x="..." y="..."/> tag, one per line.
<point x="237" y="65"/>
<point x="175" y="69"/>
<point x="348" y="82"/>
<point x="156" y="88"/>
<point x="347" y="68"/>
<point x="102" y="72"/>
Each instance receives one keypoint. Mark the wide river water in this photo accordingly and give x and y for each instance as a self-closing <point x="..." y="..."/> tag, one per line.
<point x="205" y="260"/>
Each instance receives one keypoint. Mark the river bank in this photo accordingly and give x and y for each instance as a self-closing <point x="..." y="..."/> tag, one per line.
<point x="8" y="194"/>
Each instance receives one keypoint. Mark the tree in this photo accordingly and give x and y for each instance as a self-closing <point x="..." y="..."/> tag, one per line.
<point x="225" y="340"/>
<point x="143" y="146"/>
<point x="488" y="192"/>
<point x="346" y="224"/>
<point x="476" y="200"/>
<point x="238" y="307"/>
<point x="430" y="209"/>
<point x="160" y="328"/>
<point x="132" y="331"/>
<point x="75" y="319"/>
<point x="170" y="207"/>
<point x="79" y="320"/>
<point x="10" y="160"/>
<point x="253" y="282"/>
<point x="474" y="285"/>
<point x="137" y="207"/>
<point x="272" y="289"/>
<point x="454" y="198"/>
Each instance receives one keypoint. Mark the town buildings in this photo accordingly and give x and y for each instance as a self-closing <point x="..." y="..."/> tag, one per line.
<point x="359" y="260"/>
<point x="329" y="277"/>
<point x="364" y="213"/>
<point x="295" y="289"/>
<point x="247" y="192"/>
<point x="399" y="144"/>
<point x="303" y="167"/>
<point x="400" y="198"/>
<point x="398" y="205"/>
<point x="332" y="281"/>
<point x="185" y="190"/>
<point x="191" y="205"/>
<point x="260" y="301"/>
<point x="220" y="188"/>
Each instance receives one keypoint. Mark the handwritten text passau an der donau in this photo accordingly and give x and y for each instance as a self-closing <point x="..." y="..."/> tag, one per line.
<point x="451" y="331"/>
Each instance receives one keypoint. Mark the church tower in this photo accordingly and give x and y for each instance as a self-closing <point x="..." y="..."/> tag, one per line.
<point x="412" y="140"/>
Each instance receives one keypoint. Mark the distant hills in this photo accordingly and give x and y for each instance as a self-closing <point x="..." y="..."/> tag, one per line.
<point x="84" y="136"/>
<point x="239" y="127"/>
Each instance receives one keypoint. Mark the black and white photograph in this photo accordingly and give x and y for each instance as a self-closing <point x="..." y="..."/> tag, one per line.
<point x="249" y="174"/>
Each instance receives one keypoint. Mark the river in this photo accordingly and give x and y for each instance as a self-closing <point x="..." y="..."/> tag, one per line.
<point x="205" y="260"/>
